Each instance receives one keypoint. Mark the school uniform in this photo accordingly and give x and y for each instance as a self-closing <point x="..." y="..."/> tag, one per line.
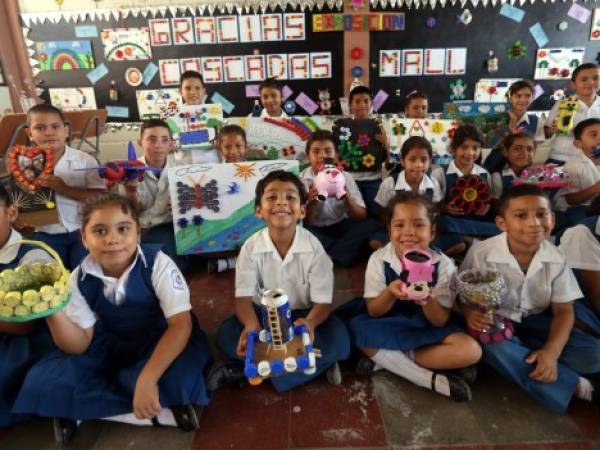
<point x="129" y="316"/>
<point x="581" y="247"/>
<point x="583" y="173"/>
<point x="561" y="147"/>
<point x="526" y="301"/>
<point x="264" y="114"/>
<point x="532" y="125"/>
<point x="306" y="276"/>
<point x="397" y="183"/>
<point x="156" y="218"/>
<point x="342" y="237"/>
<point x="65" y="237"/>
<point x="19" y="353"/>
<point x="501" y="181"/>
<point x="453" y="228"/>
<point x="405" y="327"/>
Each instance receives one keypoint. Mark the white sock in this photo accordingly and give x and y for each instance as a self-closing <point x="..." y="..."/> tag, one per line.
<point x="226" y="264"/>
<point x="584" y="389"/>
<point x="165" y="417"/>
<point x="399" y="363"/>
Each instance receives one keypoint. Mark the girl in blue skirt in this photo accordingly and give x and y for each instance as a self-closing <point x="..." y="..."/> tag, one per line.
<point x="467" y="205"/>
<point x="128" y="342"/>
<point x="413" y="338"/>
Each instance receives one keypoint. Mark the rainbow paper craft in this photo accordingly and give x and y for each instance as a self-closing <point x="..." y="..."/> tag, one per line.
<point x="65" y="55"/>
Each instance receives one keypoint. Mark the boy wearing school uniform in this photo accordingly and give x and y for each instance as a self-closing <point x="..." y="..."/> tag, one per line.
<point x="46" y="127"/>
<point x="547" y="357"/>
<point x="285" y="256"/>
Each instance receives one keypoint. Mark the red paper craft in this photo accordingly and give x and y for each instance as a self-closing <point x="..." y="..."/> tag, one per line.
<point x="471" y="194"/>
<point x="35" y="162"/>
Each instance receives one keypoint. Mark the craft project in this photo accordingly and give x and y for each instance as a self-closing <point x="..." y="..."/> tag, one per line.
<point x="438" y="132"/>
<point x="493" y="90"/>
<point x="25" y="166"/>
<point x="417" y="276"/>
<point x="280" y="347"/>
<point x="134" y="76"/>
<point x="470" y="194"/>
<point x="517" y="50"/>
<point x="157" y="103"/>
<point x="482" y="289"/>
<point x="595" y="30"/>
<point x="269" y="138"/>
<point x="325" y="103"/>
<point x="547" y="176"/>
<point x="565" y="119"/>
<point x="455" y="110"/>
<point x="493" y="126"/>
<point x="35" y="290"/>
<point x="126" y="44"/>
<point x="73" y="99"/>
<point x="458" y="90"/>
<point x="557" y="63"/>
<point x="194" y="127"/>
<point x="358" y="147"/>
<point x="65" y="55"/>
<point x="330" y="181"/>
<point x="213" y="204"/>
<point x="122" y="171"/>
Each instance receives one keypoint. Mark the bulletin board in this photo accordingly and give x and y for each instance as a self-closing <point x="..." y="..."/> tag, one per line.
<point x="119" y="65"/>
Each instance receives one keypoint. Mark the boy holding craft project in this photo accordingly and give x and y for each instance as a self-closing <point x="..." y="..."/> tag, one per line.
<point x="567" y="113"/>
<point x="271" y="99"/>
<point x="46" y="127"/>
<point x="286" y="256"/>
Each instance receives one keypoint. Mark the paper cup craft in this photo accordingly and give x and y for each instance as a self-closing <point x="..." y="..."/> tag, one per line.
<point x="33" y="290"/>
<point x="330" y="181"/>
<point x="417" y="274"/>
<point x="481" y="289"/>
<point x="547" y="176"/>
<point x="471" y="194"/>
<point x="280" y="347"/>
<point x="133" y="76"/>
<point x="565" y="119"/>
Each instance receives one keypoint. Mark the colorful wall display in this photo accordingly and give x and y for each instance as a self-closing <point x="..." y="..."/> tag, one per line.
<point x="126" y="44"/>
<point x="557" y="63"/>
<point x="418" y="61"/>
<point x="454" y="110"/>
<point x="358" y="22"/>
<point x="213" y="204"/>
<point x="155" y="103"/>
<point x="73" y="99"/>
<point x="493" y="90"/>
<point x="65" y="55"/>
<point x="194" y="127"/>
<point x="438" y="132"/>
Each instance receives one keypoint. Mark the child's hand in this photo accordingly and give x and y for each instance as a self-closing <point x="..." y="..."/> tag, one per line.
<point x="454" y="210"/>
<point x="546" y="369"/>
<point x="312" y="194"/>
<point x="395" y="288"/>
<point x="145" y="399"/>
<point x="309" y="325"/>
<point x="53" y="182"/>
<point x="477" y="320"/>
<point x="243" y="341"/>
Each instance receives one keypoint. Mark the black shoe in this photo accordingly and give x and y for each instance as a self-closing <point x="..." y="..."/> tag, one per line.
<point x="64" y="429"/>
<point x="365" y="367"/>
<point x="225" y="372"/>
<point x="187" y="417"/>
<point x="469" y="374"/>
<point x="459" y="389"/>
<point x="334" y="374"/>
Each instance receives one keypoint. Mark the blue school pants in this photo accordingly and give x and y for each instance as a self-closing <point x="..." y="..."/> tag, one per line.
<point x="368" y="190"/>
<point x="331" y="337"/>
<point x="67" y="245"/>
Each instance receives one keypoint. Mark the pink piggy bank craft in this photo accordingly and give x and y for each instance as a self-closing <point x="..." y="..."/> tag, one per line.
<point x="330" y="182"/>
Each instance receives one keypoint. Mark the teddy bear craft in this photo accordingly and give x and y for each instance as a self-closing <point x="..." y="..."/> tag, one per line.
<point x="330" y="181"/>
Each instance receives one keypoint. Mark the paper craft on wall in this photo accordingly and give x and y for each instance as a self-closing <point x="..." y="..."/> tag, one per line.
<point x="418" y="61"/>
<point x="358" y="149"/>
<point x="160" y="32"/>
<point x="190" y="64"/>
<point x="233" y="66"/>
<point x="126" y="44"/>
<point x="213" y="204"/>
<point x="294" y="27"/>
<point x="277" y="66"/>
<point x="412" y="61"/>
<point x="493" y="90"/>
<point x="271" y="27"/>
<point x="595" y="31"/>
<point x="195" y="126"/>
<point x="157" y="103"/>
<point x="205" y="30"/>
<point x="250" y="28"/>
<point x="456" y="61"/>
<point x="73" y="99"/>
<point x="212" y="69"/>
<point x="454" y="110"/>
<point x="438" y="132"/>
<point x="320" y="65"/>
<point x="183" y="30"/>
<point x="65" y="55"/>
<point x="255" y="67"/>
<point x="299" y="66"/>
<point x="169" y="72"/>
<point x="435" y="61"/>
<point x="557" y="63"/>
<point x="389" y="63"/>
<point x="227" y="29"/>
<point x="270" y="138"/>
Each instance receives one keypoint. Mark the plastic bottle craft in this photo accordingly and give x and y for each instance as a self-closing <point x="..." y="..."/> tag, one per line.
<point x="330" y="181"/>
<point x="33" y="290"/>
<point x="27" y="164"/>
<point x="418" y="271"/>
<point x="471" y="194"/>
<point x="565" y="119"/>
<point x="547" y="176"/>
<point x="280" y="347"/>
<point x="481" y="289"/>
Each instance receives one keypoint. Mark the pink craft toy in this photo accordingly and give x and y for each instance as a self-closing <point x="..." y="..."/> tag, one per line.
<point x="419" y="267"/>
<point x="330" y="182"/>
<point x="547" y="176"/>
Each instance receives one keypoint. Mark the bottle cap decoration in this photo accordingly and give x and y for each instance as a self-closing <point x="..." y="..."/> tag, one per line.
<point x="471" y="194"/>
<point x="547" y="176"/>
<point x="28" y="164"/>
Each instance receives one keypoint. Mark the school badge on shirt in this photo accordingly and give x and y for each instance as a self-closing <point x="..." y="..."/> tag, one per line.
<point x="177" y="280"/>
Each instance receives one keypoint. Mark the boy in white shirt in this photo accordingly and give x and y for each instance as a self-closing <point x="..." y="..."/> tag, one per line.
<point x="285" y="256"/>
<point x="46" y="127"/>
<point x="547" y="357"/>
<point x="586" y="81"/>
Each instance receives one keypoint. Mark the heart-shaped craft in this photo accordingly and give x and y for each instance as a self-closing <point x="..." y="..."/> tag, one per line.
<point x="28" y="164"/>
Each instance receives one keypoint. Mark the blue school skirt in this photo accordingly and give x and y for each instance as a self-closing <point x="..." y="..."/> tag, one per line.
<point x="17" y="355"/>
<point x="101" y="382"/>
<point x="404" y="327"/>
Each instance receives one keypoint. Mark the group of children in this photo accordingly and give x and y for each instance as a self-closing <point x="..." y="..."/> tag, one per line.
<point x="127" y="347"/>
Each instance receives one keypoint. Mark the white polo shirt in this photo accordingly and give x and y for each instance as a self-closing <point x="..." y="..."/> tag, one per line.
<point x="387" y="189"/>
<point x="375" y="284"/>
<point x="34" y="255"/>
<point x="264" y="114"/>
<point x="153" y="196"/>
<point x="539" y="135"/>
<point x="305" y="274"/>
<point x="68" y="208"/>
<point x="548" y="279"/>
<point x="167" y="281"/>
<point x="497" y="186"/>
<point x="581" y="247"/>
<point x="583" y="173"/>
<point x="561" y="147"/>
<point x="439" y="174"/>
<point x="332" y="210"/>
